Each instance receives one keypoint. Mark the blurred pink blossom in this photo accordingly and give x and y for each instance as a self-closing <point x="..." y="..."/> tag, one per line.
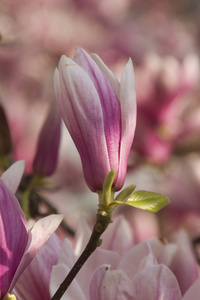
<point x="33" y="284"/>
<point x="118" y="269"/>
<point x="46" y="156"/>
<point x="162" y="104"/>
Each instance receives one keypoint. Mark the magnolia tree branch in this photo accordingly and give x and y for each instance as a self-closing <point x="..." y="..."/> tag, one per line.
<point x="102" y="222"/>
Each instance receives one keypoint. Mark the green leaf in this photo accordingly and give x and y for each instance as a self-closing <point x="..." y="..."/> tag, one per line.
<point x="145" y="200"/>
<point x="125" y="193"/>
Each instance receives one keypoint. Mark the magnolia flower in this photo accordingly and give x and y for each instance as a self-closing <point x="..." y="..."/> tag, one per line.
<point x="46" y="157"/>
<point x="33" y="284"/>
<point x="18" y="244"/>
<point x="100" y="114"/>
<point x="120" y="270"/>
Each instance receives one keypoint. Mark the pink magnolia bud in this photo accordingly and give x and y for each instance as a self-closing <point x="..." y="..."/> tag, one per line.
<point x="46" y="157"/>
<point x="99" y="113"/>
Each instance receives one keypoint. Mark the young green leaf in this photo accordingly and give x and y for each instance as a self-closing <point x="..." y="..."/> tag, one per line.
<point x="145" y="200"/>
<point x="125" y="193"/>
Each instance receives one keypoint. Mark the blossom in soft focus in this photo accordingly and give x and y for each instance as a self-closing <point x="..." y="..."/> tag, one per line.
<point x="46" y="157"/>
<point x="18" y="245"/>
<point x="152" y="270"/>
<point x="164" y="104"/>
<point x="33" y="284"/>
<point x="100" y="114"/>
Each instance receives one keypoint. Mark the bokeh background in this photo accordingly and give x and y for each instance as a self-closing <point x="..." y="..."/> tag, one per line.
<point x="162" y="39"/>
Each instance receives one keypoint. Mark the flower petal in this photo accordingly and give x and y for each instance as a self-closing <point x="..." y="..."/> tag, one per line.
<point x="67" y="255"/>
<point x="114" y="82"/>
<point x="184" y="265"/>
<point x="193" y="292"/>
<point x="107" y="284"/>
<point x="12" y="176"/>
<point x="156" y="283"/>
<point x="136" y="258"/>
<point x="109" y="103"/>
<point x="13" y="237"/>
<point x="118" y="237"/>
<point x="128" y="118"/>
<point x="38" y="236"/>
<point x="58" y="275"/>
<point x="46" y="157"/>
<point x="34" y="282"/>
<point x="82" y="113"/>
<point x="98" y="258"/>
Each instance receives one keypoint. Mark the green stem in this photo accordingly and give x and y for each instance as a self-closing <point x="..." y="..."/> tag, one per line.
<point x="26" y="195"/>
<point x="25" y="203"/>
<point x="102" y="221"/>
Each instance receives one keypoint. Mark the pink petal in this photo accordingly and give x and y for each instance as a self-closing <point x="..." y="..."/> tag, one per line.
<point x="74" y="101"/>
<point x="38" y="236"/>
<point x="193" y="292"/>
<point x="58" y="275"/>
<point x="132" y="262"/>
<point x="118" y="237"/>
<point x="128" y="118"/>
<point x="34" y="282"/>
<point x="108" y="73"/>
<point x="98" y="258"/>
<point x="164" y="252"/>
<point x="46" y="157"/>
<point x="184" y="265"/>
<point x="83" y="234"/>
<point x="13" y="237"/>
<point x="109" y="103"/>
<point x="12" y="176"/>
<point x="107" y="284"/>
<point x="156" y="283"/>
<point x="67" y="255"/>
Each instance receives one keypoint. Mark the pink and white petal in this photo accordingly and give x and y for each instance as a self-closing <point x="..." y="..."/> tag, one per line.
<point x="13" y="238"/>
<point x="118" y="237"/>
<point x="12" y="176"/>
<point x="34" y="282"/>
<point x="163" y="251"/>
<point x="74" y="291"/>
<point x="131" y="263"/>
<point x="40" y="233"/>
<point x="74" y="103"/>
<point x="147" y="261"/>
<point x="98" y="258"/>
<point x="83" y="234"/>
<point x="128" y="117"/>
<point x="15" y="200"/>
<point x="114" y="82"/>
<point x="193" y="292"/>
<point x="67" y="255"/>
<point x="184" y="265"/>
<point x="156" y="283"/>
<point x="107" y="284"/>
<point x="109" y="103"/>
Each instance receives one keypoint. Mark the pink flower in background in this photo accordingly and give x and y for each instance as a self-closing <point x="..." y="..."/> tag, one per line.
<point x="163" y="104"/>
<point x="18" y="245"/>
<point x="121" y="270"/>
<point x="33" y="284"/>
<point x="46" y="157"/>
<point x="100" y="114"/>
